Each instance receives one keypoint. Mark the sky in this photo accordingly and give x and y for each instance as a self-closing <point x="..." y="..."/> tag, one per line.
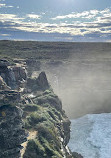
<point x="56" y="20"/>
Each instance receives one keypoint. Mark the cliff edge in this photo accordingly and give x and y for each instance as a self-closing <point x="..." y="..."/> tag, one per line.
<point x="32" y="121"/>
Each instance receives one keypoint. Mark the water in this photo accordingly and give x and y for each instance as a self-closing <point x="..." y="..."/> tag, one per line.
<point x="91" y="136"/>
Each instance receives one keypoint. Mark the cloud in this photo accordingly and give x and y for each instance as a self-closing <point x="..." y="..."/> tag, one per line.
<point x="33" y="16"/>
<point x="5" y="35"/>
<point x="9" y="18"/>
<point x="85" y="14"/>
<point x="2" y="5"/>
<point x="96" y="24"/>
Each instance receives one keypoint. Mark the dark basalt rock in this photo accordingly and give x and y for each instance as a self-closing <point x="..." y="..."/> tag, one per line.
<point x="42" y="81"/>
<point x="16" y="77"/>
<point x="76" y="155"/>
<point x="13" y="76"/>
<point x="12" y="134"/>
<point x="66" y="124"/>
<point x="20" y="73"/>
<point x="4" y="63"/>
<point x="39" y="83"/>
<point x="3" y="85"/>
<point x="9" y="97"/>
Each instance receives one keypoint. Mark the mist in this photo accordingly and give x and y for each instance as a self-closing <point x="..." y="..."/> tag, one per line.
<point x="83" y="82"/>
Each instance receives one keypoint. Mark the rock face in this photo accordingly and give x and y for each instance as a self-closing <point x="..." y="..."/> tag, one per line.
<point x="42" y="81"/>
<point x="37" y="84"/>
<point x="14" y="76"/>
<point x="9" y="97"/>
<point x="12" y="134"/>
<point x="4" y="63"/>
<point x="37" y="110"/>
<point x="3" y="85"/>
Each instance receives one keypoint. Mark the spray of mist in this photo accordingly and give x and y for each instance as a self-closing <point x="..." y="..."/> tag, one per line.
<point x="83" y="83"/>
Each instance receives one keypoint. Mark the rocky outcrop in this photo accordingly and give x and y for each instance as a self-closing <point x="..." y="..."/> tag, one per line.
<point x="42" y="81"/>
<point x="39" y="83"/>
<point x="14" y="76"/>
<point x="36" y="110"/>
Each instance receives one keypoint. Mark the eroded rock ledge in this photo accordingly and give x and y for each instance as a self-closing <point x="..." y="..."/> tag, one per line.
<point x="32" y="122"/>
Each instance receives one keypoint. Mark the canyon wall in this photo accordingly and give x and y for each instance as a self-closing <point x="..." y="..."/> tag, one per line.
<point x="32" y="121"/>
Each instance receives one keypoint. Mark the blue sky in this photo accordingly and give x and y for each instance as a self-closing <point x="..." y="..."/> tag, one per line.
<point x="56" y="20"/>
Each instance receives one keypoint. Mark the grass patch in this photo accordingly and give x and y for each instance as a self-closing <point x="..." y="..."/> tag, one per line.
<point x="46" y="121"/>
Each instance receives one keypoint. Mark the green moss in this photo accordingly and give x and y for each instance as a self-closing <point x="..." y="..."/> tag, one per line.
<point x="34" y="148"/>
<point x="31" y="107"/>
<point x="35" y="118"/>
<point x="51" y="148"/>
<point x="27" y="125"/>
<point x="52" y="115"/>
<point x="43" y="150"/>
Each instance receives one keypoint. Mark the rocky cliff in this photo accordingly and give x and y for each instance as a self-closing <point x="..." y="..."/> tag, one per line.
<point x="32" y="122"/>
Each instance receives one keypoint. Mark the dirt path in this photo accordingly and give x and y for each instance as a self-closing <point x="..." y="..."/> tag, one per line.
<point x="32" y="135"/>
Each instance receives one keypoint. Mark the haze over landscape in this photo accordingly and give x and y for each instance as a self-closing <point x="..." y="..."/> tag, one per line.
<point x="78" y="72"/>
<point x="83" y="80"/>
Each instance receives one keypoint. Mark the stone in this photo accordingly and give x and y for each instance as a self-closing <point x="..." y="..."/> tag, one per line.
<point x="42" y="81"/>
